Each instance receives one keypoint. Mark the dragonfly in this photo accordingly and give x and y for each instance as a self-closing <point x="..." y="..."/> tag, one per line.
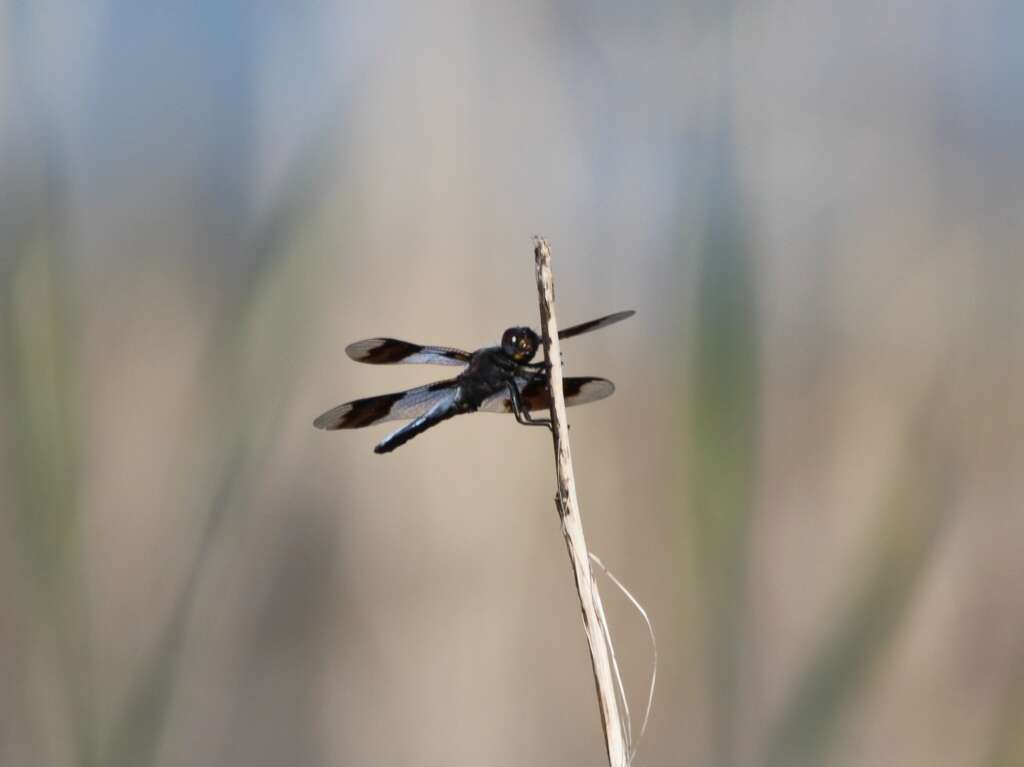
<point x="494" y="379"/>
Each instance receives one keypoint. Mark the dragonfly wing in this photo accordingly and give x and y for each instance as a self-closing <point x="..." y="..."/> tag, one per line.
<point x="601" y="322"/>
<point x="534" y="393"/>
<point x="390" y="351"/>
<point x="398" y="406"/>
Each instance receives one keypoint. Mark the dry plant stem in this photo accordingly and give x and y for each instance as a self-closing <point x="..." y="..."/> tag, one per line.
<point x="594" y="622"/>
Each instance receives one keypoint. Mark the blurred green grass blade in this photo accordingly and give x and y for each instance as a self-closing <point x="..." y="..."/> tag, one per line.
<point x="43" y="435"/>
<point x="723" y="422"/>
<point x="44" y="449"/>
<point x="1007" y="746"/>
<point x="921" y="501"/>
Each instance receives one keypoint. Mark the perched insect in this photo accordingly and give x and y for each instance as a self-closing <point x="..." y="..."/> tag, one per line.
<point x="496" y="379"/>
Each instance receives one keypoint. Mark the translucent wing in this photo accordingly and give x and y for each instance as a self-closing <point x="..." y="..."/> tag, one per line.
<point x="601" y="322"/>
<point x="411" y="403"/>
<point x="534" y="394"/>
<point x="389" y="351"/>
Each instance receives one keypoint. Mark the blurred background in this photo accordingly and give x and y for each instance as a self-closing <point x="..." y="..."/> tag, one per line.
<point x="810" y="474"/>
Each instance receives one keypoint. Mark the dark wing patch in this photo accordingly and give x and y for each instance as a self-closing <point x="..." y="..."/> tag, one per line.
<point x="411" y="403"/>
<point x="534" y="394"/>
<point x="602" y="322"/>
<point x="389" y="351"/>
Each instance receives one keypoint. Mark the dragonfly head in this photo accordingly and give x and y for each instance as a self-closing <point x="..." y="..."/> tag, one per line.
<point x="520" y="344"/>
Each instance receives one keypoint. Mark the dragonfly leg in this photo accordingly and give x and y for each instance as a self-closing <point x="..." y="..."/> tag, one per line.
<point x="522" y="414"/>
<point x="537" y="367"/>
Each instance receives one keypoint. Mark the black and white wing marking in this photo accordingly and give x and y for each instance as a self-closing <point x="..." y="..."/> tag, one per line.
<point x="389" y="351"/>
<point x="601" y="322"/>
<point x="411" y="403"/>
<point x="534" y="394"/>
